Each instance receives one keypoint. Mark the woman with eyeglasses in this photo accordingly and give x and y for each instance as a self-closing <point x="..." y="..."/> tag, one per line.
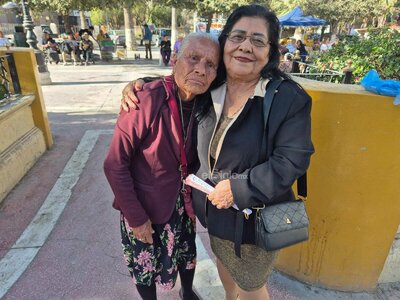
<point x="232" y="155"/>
<point x="231" y="152"/>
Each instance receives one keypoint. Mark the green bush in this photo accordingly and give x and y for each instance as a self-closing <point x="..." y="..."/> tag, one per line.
<point x="379" y="51"/>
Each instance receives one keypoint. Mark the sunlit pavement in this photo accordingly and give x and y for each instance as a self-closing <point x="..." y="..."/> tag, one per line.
<point x="59" y="236"/>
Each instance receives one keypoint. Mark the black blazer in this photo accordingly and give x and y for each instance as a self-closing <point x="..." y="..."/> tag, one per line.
<point x="253" y="181"/>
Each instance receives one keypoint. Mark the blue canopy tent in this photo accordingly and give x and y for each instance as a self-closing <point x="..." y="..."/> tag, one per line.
<point x="296" y="18"/>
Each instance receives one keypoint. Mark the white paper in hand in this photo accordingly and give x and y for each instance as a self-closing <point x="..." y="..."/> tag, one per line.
<point x="199" y="184"/>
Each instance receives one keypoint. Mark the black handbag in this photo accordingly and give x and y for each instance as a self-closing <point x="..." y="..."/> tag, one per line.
<point x="286" y="223"/>
<point x="283" y="224"/>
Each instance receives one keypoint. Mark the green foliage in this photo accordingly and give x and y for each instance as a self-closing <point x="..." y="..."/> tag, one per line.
<point x="64" y="6"/>
<point x="206" y="7"/>
<point x="338" y="12"/>
<point x="161" y="16"/>
<point x="97" y="17"/>
<point x="380" y="51"/>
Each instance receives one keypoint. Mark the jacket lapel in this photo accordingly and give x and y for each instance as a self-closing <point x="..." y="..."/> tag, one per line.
<point x="218" y="99"/>
<point x="170" y="123"/>
<point x="173" y="132"/>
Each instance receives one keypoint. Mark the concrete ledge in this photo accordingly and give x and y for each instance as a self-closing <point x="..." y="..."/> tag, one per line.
<point x="19" y="158"/>
<point x="10" y="108"/>
<point x="336" y="88"/>
<point x="15" y="120"/>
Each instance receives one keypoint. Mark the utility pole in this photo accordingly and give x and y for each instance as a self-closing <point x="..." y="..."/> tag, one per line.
<point x="32" y="42"/>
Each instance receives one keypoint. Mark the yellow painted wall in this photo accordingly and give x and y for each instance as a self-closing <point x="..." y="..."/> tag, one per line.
<point x="15" y="123"/>
<point x="353" y="190"/>
<point x="24" y="124"/>
<point x="30" y="84"/>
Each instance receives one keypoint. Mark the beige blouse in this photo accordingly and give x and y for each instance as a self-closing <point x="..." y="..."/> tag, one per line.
<point x="224" y="121"/>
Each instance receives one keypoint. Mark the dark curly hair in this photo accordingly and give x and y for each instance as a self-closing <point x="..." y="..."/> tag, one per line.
<point x="271" y="69"/>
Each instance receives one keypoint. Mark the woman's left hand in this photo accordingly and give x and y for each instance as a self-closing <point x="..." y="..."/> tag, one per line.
<point x="222" y="196"/>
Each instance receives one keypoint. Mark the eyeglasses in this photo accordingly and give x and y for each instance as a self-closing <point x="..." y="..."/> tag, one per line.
<point x="239" y="36"/>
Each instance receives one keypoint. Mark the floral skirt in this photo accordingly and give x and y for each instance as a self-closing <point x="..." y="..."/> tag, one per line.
<point x="173" y="246"/>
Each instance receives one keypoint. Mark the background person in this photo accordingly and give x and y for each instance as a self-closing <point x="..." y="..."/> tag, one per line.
<point x="324" y="46"/>
<point x="102" y="36"/>
<point x="177" y="47"/>
<point x="302" y="49"/>
<point x="4" y="42"/>
<point x="165" y="49"/>
<point x="201" y="27"/>
<point x="51" y="48"/>
<point x="142" y="167"/>
<point x="291" y="45"/>
<point x="69" y="47"/>
<point x="147" y="39"/>
<point x="86" y="46"/>
<point x="282" y="48"/>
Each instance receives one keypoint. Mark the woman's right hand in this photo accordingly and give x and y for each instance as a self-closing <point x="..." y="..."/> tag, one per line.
<point x="144" y="233"/>
<point x="129" y="99"/>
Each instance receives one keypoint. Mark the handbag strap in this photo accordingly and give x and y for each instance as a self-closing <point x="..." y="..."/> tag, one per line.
<point x="302" y="186"/>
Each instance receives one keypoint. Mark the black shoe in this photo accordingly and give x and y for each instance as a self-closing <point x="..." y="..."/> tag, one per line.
<point x="194" y="296"/>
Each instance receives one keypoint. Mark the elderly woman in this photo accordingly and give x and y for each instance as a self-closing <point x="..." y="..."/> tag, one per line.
<point x="230" y="145"/>
<point x="151" y="150"/>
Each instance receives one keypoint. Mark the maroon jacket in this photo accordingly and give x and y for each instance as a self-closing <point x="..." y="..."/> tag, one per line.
<point x="143" y="160"/>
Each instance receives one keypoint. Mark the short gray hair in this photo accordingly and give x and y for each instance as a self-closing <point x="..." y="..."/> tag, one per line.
<point x="195" y="36"/>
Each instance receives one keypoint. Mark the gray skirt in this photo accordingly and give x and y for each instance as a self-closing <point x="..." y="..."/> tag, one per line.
<point x="251" y="271"/>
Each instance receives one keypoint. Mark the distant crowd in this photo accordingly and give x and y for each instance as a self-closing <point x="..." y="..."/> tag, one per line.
<point x="292" y="50"/>
<point x="79" y="46"/>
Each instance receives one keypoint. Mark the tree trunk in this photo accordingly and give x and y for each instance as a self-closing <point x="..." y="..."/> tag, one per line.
<point x="322" y="33"/>
<point x="130" y="39"/>
<point x="194" y="21"/>
<point x="67" y="25"/>
<point x="209" y="21"/>
<point x="173" y="26"/>
<point x="83" y="19"/>
<point x="149" y="12"/>
<point x="334" y="27"/>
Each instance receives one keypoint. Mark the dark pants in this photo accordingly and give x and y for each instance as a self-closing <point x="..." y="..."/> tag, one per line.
<point x="166" y="55"/>
<point x="148" y="49"/>
<point x="87" y="55"/>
